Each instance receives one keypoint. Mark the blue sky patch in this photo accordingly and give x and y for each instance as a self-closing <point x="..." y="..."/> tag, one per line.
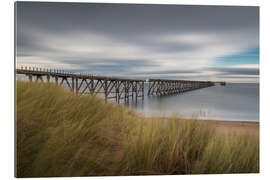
<point x="250" y="56"/>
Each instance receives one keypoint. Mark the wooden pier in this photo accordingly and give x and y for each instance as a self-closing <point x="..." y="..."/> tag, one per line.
<point x="119" y="89"/>
<point x="111" y="87"/>
<point x="161" y="87"/>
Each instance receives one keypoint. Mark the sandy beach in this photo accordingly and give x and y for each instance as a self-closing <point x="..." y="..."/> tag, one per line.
<point x="236" y="126"/>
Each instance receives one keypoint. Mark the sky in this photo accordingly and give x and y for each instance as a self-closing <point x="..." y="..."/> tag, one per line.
<point x="213" y="43"/>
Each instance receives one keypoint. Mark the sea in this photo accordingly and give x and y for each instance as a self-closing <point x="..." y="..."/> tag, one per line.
<point x="233" y="102"/>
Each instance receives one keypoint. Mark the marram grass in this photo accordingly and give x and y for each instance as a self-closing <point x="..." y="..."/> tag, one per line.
<point x="61" y="134"/>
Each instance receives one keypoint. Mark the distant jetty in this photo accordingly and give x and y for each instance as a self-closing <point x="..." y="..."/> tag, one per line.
<point x="222" y="83"/>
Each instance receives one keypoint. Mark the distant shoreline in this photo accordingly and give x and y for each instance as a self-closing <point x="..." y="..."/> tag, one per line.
<point x="209" y="120"/>
<point x="251" y="127"/>
<point x="231" y="121"/>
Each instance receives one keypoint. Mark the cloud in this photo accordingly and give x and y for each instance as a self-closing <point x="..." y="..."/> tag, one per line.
<point x="239" y="71"/>
<point x="138" y="40"/>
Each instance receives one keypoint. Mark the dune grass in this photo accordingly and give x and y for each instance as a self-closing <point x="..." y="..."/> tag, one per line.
<point x="61" y="134"/>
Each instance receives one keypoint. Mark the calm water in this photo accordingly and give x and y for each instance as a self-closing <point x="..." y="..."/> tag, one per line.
<point x="234" y="102"/>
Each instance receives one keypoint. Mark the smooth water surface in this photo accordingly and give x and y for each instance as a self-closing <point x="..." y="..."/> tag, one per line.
<point x="234" y="102"/>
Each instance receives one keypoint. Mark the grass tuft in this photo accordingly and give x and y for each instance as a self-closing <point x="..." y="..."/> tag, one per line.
<point x="61" y="134"/>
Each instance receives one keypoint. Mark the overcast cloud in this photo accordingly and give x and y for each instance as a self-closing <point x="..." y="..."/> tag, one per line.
<point x="141" y="41"/>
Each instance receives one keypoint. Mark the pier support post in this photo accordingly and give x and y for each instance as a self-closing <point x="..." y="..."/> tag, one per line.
<point x="56" y="79"/>
<point x="76" y="85"/>
<point x="106" y="90"/>
<point x="30" y="77"/>
<point x="143" y="90"/>
<point x="48" y="78"/>
<point x="72" y="84"/>
<point x="92" y="86"/>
